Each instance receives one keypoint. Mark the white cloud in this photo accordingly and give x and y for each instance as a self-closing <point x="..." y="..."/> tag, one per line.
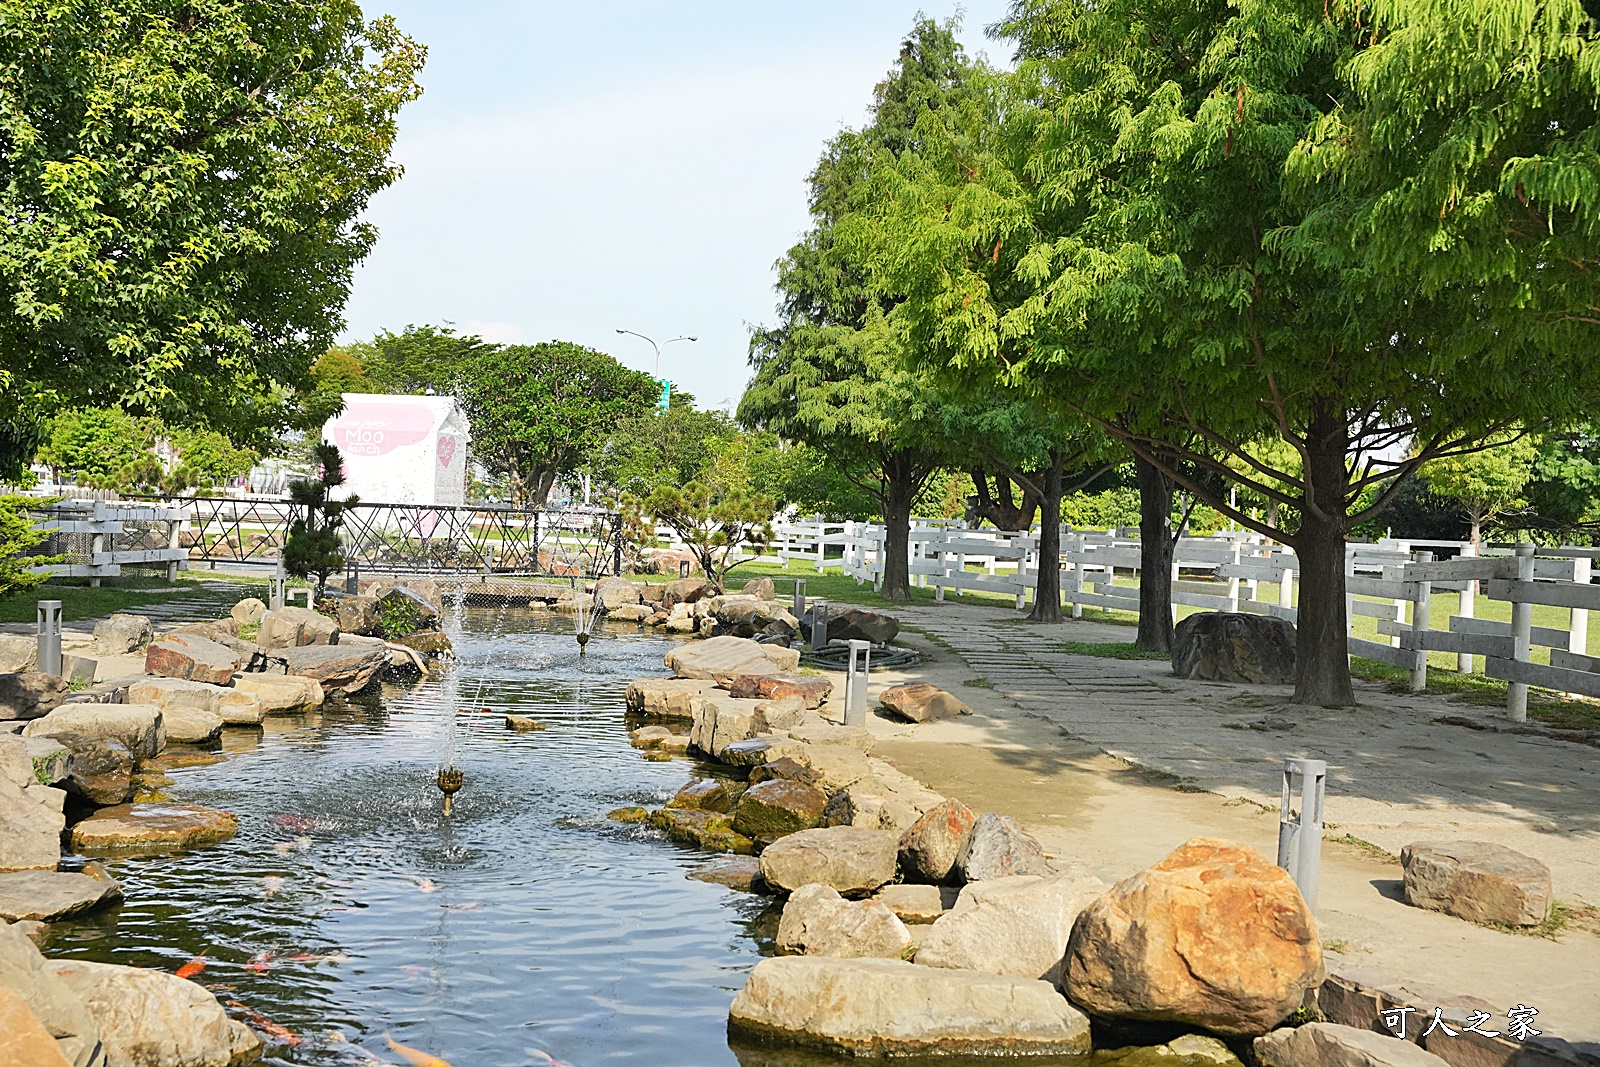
<point x="500" y="333"/>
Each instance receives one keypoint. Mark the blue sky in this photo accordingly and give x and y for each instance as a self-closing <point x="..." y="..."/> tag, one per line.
<point x="573" y="168"/>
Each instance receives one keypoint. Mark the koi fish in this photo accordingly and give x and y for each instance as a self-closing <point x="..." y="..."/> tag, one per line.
<point x="271" y="884"/>
<point x="298" y="824"/>
<point x="259" y="962"/>
<point x="192" y="968"/>
<point x="271" y="1029"/>
<point x="283" y="848"/>
<point x="415" y="1057"/>
<point x="302" y="843"/>
<point x="545" y="1057"/>
<point x="425" y="885"/>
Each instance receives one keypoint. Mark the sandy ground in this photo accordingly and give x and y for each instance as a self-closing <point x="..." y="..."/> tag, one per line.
<point x="1119" y="816"/>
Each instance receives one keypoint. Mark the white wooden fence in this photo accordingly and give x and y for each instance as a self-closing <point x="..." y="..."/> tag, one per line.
<point x="99" y="539"/>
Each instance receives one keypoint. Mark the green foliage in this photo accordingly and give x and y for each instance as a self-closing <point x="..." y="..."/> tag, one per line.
<point x="399" y="616"/>
<point x="1564" y="493"/>
<point x="1105" y="510"/>
<point x="1484" y="485"/>
<point x="93" y="443"/>
<point x="419" y="359"/>
<point x="653" y="448"/>
<point x="17" y="538"/>
<point x="539" y="411"/>
<point x="313" y="547"/>
<point x="713" y="525"/>
<point x="182" y="188"/>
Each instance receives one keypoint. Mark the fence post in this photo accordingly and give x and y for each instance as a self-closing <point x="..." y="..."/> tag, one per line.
<point x="1233" y="579"/>
<point x="1578" y="622"/>
<point x="1286" y="587"/>
<point x="275" y="587"/>
<point x="1521" y="631"/>
<point x="1421" y="622"/>
<point x="174" y="536"/>
<point x="1465" y="607"/>
<point x="822" y="546"/>
<point x="1349" y="597"/>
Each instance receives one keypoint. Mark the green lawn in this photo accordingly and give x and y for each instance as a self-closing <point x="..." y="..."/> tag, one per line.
<point x="79" y="602"/>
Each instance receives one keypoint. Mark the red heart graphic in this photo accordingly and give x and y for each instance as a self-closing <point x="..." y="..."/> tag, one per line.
<point x="447" y="450"/>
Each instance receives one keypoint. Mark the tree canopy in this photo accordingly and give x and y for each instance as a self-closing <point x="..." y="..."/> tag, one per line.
<point x="181" y="193"/>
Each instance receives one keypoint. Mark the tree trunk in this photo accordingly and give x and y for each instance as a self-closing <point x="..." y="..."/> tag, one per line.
<point x="1047" y="587"/>
<point x="1322" y="649"/>
<point x="539" y="487"/>
<point x="897" y="527"/>
<point x="1155" y="558"/>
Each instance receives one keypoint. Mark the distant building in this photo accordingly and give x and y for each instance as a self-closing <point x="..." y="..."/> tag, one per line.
<point x="402" y="449"/>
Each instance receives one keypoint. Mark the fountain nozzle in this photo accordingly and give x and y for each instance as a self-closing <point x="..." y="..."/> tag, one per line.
<point x="583" y="640"/>
<point x="450" y="782"/>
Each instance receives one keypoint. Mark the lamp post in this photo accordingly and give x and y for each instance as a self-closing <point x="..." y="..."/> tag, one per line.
<point x="658" y="347"/>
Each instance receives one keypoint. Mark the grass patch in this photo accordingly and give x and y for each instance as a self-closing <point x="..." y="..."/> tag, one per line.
<point x="1336" y="944"/>
<point x="79" y="602"/>
<point x="1109" y="650"/>
<point x="979" y="683"/>
<point x="1544" y="706"/>
<point x="1382" y="855"/>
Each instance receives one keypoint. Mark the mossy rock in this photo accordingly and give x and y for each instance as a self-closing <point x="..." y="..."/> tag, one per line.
<point x="631" y="813"/>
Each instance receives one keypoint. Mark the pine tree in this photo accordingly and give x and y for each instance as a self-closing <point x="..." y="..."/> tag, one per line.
<point x="313" y="547"/>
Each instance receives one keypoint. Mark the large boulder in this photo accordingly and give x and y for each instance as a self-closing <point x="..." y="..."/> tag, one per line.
<point x="405" y="610"/>
<point x="612" y="593"/>
<point x="782" y="713"/>
<point x="118" y="634"/>
<point x="1213" y="936"/>
<point x="773" y="809"/>
<point x="921" y="702"/>
<point x="191" y="726"/>
<point x="1332" y="1045"/>
<point x="883" y="800"/>
<point x="817" y="921"/>
<point x="150" y="829"/>
<point x="192" y="656"/>
<point x="428" y="593"/>
<point x="167" y="693"/>
<point x="360" y="615"/>
<point x="49" y="758"/>
<point x="99" y="770"/>
<point x="149" y="1018"/>
<point x="137" y="727"/>
<point x="867" y="1008"/>
<point x="31" y="818"/>
<point x="291" y="627"/>
<point x="26" y="974"/>
<point x="19" y="653"/>
<point x="999" y="848"/>
<point x="24" y="1041"/>
<point x="708" y="794"/>
<point x="685" y="591"/>
<point x="1229" y="646"/>
<point x="912" y="903"/>
<point x="815" y="730"/>
<point x="1477" y="881"/>
<point x="280" y="694"/>
<point x="248" y="611"/>
<point x="31" y="695"/>
<point x="719" y="721"/>
<point x="930" y="848"/>
<point x="729" y="656"/>
<point x="49" y="896"/>
<point x="857" y="624"/>
<point x="1018" y="925"/>
<point x="710" y="830"/>
<point x="851" y="860"/>
<point x="348" y="667"/>
<point x="666" y="698"/>
<point x="813" y="690"/>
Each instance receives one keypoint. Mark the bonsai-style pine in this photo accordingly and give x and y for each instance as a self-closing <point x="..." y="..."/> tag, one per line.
<point x="313" y="546"/>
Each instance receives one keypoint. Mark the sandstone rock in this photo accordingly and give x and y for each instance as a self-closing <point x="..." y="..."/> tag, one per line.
<point x="1224" y="646"/>
<point x="149" y="1018"/>
<point x="709" y="830"/>
<point x="191" y="726"/>
<point x="913" y="903"/>
<point x="137" y="727"/>
<point x="685" y="591"/>
<point x="999" y="848"/>
<point x="630" y="613"/>
<point x="613" y="593"/>
<point x="19" y="653"/>
<point x="866" y="1007"/>
<point x="858" y="624"/>
<point x="349" y="668"/>
<point x="851" y="860"/>
<point x="683" y="624"/>
<point x="736" y="872"/>
<point x="781" y="713"/>
<point x="280" y="694"/>
<point x="49" y="758"/>
<point x="836" y="766"/>
<point x="524" y="724"/>
<point x="730" y="656"/>
<point x="99" y="771"/>
<point x="236" y="708"/>
<point x="1477" y="881"/>
<point x="1214" y="936"/>
<point x="760" y="588"/>
<point x="48" y="896"/>
<point x="427" y="642"/>
<point x="30" y="696"/>
<point x="648" y="736"/>
<point x="1332" y="1045"/>
<point x="28" y="976"/>
<point x="248" y="611"/>
<point x="31" y="818"/>
<point x="167" y="693"/>
<point x="813" y="690"/>
<point x="118" y="634"/>
<point x="145" y="829"/>
<point x="770" y="810"/>
<point x="788" y="768"/>
<point x="194" y="657"/>
<point x="219" y="630"/>
<point x="921" y="702"/>
<point x="870" y="804"/>
<point x="1017" y="925"/>
<point x="666" y="698"/>
<point x="291" y="627"/>
<point x="816" y="730"/>
<point x="24" y="1041"/>
<point x="719" y="721"/>
<point x="708" y="794"/>
<point x="817" y="921"/>
<point x="360" y="615"/>
<point x="930" y="849"/>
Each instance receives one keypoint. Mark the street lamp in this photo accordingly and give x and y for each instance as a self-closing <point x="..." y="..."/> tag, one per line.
<point x="658" y="347"/>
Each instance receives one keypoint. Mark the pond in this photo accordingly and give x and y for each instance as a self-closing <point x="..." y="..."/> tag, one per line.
<point x="348" y="909"/>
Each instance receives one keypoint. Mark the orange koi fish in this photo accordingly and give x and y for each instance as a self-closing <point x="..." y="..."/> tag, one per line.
<point x="266" y="1026"/>
<point x="415" y="1057"/>
<point x="193" y="967"/>
<point x="259" y="962"/>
